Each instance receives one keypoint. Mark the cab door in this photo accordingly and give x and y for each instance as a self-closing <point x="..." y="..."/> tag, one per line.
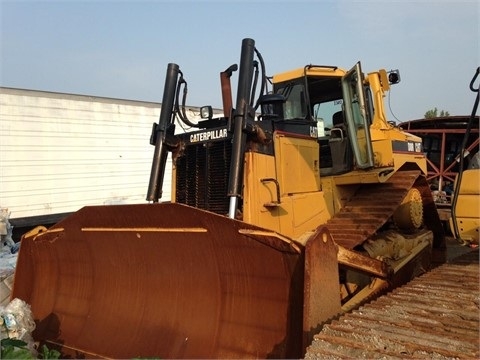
<point x="357" y="117"/>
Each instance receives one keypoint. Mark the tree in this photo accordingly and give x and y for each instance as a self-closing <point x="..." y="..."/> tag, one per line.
<point x="433" y="113"/>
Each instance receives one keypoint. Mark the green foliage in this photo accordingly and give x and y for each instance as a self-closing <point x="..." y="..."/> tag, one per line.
<point x="15" y="349"/>
<point x="47" y="353"/>
<point x="433" y="113"/>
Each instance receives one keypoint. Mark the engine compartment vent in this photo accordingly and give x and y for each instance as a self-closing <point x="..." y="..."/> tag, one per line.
<point x="202" y="176"/>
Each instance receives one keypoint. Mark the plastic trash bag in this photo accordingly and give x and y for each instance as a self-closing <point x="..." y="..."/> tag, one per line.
<point x="16" y="322"/>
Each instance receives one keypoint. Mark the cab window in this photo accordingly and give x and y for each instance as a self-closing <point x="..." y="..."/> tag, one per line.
<point x="323" y="114"/>
<point x="295" y="104"/>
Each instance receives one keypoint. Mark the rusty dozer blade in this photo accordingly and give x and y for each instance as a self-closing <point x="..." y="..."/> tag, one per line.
<point x="171" y="281"/>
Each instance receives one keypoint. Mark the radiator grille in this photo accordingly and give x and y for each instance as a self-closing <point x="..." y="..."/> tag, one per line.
<point x="202" y="176"/>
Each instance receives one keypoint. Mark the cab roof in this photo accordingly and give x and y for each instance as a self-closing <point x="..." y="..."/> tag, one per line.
<point x="309" y="70"/>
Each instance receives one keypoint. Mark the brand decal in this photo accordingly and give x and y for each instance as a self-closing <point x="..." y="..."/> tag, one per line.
<point x="407" y="146"/>
<point x="208" y="135"/>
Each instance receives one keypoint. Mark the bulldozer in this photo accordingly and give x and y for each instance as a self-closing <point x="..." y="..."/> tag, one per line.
<point x="297" y="205"/>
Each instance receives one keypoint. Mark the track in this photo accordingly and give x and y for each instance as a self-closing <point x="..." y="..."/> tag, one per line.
<point x="434" y="316"/>
<point x="373" y="205"/>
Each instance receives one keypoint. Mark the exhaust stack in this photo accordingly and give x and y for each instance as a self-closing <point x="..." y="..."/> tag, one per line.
<point x="240" y="116"/>
<point x="159" y="133"/>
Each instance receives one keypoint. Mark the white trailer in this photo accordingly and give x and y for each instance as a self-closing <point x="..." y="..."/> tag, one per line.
<point x="60" y="152"/>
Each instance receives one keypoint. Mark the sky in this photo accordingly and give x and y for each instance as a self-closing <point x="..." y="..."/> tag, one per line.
<point x="121" y="49"/>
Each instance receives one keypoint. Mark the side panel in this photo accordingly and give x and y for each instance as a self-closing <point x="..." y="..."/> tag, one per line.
<point x="258" y="193"/>
<point x="382" y="152"/>
<point x="302" y="213"/>
<point x="467" y="209"/>
<point x="290" y="212"/>
<point x="297" y="164"/>
<point x="417" y="159"/>
<point x="394" y="148"/>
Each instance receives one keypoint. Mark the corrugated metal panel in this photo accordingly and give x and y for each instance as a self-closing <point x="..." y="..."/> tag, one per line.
<point x="435" y="316"/>
<point x="60" y="152"/>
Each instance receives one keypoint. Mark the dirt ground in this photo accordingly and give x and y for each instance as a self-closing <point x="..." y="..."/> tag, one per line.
<point x="455" y="249"/>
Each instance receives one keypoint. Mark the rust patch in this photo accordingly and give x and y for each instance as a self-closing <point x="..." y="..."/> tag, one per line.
<point x="369" y="209"/>
<point x="434" y="316"/>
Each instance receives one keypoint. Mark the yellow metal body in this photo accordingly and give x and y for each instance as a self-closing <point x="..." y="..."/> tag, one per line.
<point x="294" y="206"/>
<point x="382" y="132"/>
<point x="313" y="71"/>
<point x="467" y="209"/>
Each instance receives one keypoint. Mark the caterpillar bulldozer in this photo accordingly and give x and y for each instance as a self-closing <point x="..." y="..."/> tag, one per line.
<point x="278" y="223"/>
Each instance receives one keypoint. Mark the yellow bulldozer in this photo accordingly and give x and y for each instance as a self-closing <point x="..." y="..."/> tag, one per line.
<point x="299" y="204"/>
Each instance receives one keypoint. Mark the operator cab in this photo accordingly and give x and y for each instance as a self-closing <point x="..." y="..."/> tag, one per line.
<point x="335" y="102"/>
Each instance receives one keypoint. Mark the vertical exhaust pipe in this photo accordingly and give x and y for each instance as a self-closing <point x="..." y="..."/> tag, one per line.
<point x="160" y="153"/>
<point x="240" y="116"/>
<point x="227" y="89"/>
